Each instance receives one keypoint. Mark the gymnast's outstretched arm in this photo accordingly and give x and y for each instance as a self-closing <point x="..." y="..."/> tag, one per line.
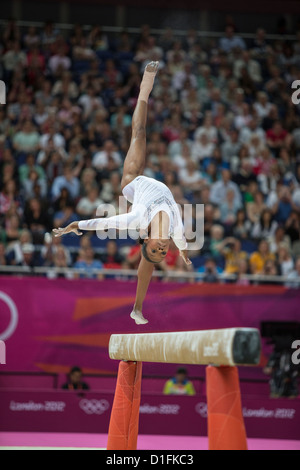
<point x="120" y="222"/>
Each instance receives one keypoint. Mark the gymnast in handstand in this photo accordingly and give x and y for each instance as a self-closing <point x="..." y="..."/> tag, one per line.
<point x="154" y="213"/>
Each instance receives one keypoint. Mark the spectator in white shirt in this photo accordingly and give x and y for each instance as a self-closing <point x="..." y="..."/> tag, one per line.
<point x="181" y="76"/>
<point x="175" y="147"/>
<point x="252" y="66"/>
<point x="88" y="205"/>
<point x="262" y="106"/>
<point x="202" y="148"/>
<point x="90" y="102"/>
<point x="181" y="159"/>
<point x="207" y="128"/>
<point x="190" y="178"/>
<point x="14" y="57"/>
<point x="295" y="274"/>
<point x="65" y="86"/>
<point x="57" y="139"/>
<point x="108" y="158"/>
<point x="244" y="118"/>
<point x="285" y="259"/>
<point x="59" y="62"/>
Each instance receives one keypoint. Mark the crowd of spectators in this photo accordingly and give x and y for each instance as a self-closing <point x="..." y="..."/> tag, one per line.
<point x="222" y="131"/>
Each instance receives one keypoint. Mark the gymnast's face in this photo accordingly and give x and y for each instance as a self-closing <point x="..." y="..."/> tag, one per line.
<point x="157" y="249"/>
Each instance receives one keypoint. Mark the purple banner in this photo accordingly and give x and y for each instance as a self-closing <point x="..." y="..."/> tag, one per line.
<point x="51" y="325"/>
<point x="57" y="411"/>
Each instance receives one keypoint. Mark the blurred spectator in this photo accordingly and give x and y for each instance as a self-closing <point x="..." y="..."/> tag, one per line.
<point x="216" y="239"/>
<point x="31" y="38"/>
<point x="91" y="267"/>
<point x="12" y="228"/>
<point x="231" y="41"/>
<point x="112" y="259"/>
<point x="111" y="187"/>
<point x="284" y="205"/>
<point x="27" y="139"/>
<point x="49" y="249"/>
<point x="134" y="256"/>
<point x="88" y="205"/>
<point x="179" y="384"/>
<point x="266" y="226"/>
<point x="285" y="260"/>
<point x="67" y="181"/>
<point x="60" y="261"/>
<point x="231" y="250"/>
<point x="229" y="208"/>
<point x="14" y="250"/>
<point x="59" y="62"/>
<point x="242" y="226"/>
<point x="259" y="258"/>
<point x="36" y="219"/>
<point x="190" y="177"/>
<point x="202" y="148"/>
<point x="25" y="169"/>
<point x="292" y="226"/>
<point x="3" y="256"/>
<point x="278" y="137"/>
<point x="211" y="272"/>
<point x="107" y="159"/>
<point x="283" y="374"/>
<point x="270" y="269"/>
<point x="294" y="276"/>
<point x="243" y="269"/>
<point x="219" y="189"/>
<point x="277" y="238"/>
<point x="75" y="381"/>
<point x="14" y="58"/>
<point x="65" y="216"/>
<point x="255" y="208"/>
<point x="28" y="256"/>
<point x="53" y="137"/>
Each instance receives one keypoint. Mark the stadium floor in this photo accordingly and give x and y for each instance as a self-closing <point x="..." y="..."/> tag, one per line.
<point x="62" y="441"/>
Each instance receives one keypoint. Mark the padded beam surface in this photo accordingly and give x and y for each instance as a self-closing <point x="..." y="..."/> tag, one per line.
<point x="228" y="346"/>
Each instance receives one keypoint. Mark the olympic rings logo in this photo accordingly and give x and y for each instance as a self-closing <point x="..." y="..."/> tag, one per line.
<point x="94" y="407"/>
<point x="201" y="408"/>
<point x="14" y="316"/>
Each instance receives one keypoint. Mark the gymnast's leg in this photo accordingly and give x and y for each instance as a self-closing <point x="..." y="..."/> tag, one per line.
<point x="135" y="159"/>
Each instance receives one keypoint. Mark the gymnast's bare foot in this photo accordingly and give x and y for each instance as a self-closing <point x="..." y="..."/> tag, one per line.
<point x="138" y="317"/>
<point x="152" y="67"/>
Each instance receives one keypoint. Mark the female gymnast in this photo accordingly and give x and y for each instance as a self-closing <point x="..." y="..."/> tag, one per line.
<point x="154" y="213"/>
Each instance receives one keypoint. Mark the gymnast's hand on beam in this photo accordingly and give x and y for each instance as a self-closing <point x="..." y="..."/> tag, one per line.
<point x="71" y="228"/>
<point x="183" y="254"/>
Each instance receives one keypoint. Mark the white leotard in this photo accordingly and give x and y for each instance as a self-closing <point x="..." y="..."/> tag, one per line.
<point x="148" y="197"/>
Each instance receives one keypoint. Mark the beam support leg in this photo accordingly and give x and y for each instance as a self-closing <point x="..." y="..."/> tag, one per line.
<point x="226" y="428"/>
<point x="124" y="419"/>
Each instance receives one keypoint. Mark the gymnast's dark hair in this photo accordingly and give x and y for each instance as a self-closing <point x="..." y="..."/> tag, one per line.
<point x="144" y="251"/>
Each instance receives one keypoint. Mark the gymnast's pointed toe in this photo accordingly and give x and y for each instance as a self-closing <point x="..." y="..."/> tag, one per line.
<point x="138" y="317"/>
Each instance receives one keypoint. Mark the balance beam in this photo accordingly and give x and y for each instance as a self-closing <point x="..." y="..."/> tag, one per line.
<point x="227" y="346"/>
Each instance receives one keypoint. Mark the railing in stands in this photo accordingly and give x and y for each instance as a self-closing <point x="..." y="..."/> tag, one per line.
<point x="52" y="272"/>
<point x="154" y="31"/>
